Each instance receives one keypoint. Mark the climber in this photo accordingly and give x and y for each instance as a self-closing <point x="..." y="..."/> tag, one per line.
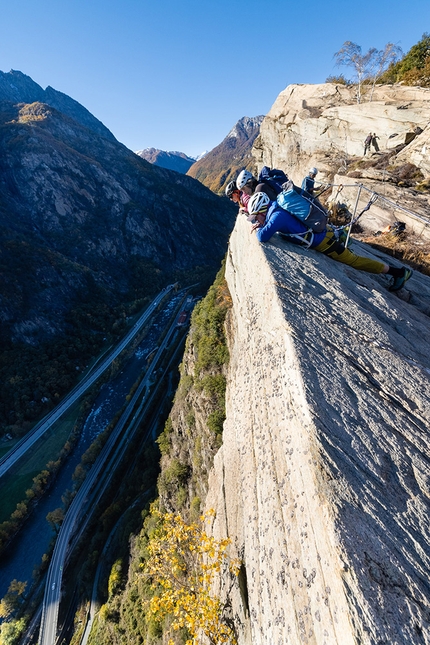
<point x="272" y="219"/>
<point x="237" y="196"/>
<point x="247" y="183"/>
<point x="367" y="142"/>
<point x="308" y="182"/>
<point x="374" y="142"/>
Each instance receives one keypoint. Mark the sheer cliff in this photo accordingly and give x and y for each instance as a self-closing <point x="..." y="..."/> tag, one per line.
<point x="321" y="482"/>
<point x="322" y="479"/>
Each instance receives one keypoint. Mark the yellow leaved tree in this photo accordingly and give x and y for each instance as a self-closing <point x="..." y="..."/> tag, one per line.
<point x="184" y="563"/>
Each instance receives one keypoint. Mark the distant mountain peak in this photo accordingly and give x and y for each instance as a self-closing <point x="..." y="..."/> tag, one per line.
<point x="222" y="164"/>
<point x="245" y="125"/>
<point x="172" y="160"/>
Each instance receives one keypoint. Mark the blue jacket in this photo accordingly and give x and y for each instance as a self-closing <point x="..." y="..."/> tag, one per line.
<point x="278" y="220"/>
<point x="308" y="184"/>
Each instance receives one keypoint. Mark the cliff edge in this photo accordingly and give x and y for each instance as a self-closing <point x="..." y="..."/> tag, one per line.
<point x="322" y="481"/>
<point x="324" y="126"/>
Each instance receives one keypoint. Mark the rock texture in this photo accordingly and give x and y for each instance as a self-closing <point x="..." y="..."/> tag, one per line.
<point x="322" y="481"/>
<point x="323" y="126"/>
<point x="223" y="163"/>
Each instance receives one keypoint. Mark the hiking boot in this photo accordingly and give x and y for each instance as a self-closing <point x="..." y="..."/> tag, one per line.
<point x="399" y="282"/>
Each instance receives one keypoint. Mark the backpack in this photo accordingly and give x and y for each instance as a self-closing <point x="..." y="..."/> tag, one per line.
<point x="273" y="177"/>
<point x="304" y="207"/>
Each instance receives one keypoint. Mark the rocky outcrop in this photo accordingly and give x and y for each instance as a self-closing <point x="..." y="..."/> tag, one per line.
<point x="225" y="161"/>
<point x="324" y="126"/>
<point x="322" y="480"/>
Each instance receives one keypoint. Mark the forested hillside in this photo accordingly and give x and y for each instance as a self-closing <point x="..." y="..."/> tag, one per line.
<point x="89" y="231"/>
<point x="191" y="437"/>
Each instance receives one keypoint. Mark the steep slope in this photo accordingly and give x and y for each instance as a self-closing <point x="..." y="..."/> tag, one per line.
<point x="20" y="88"/>
<point x="320" y="480"/>
<point x="177" y="161"/>
<point x="87" y="228"/>
<point x="224" y="162"/>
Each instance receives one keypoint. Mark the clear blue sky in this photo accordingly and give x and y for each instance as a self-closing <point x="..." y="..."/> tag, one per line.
<point x="177" y="75"/>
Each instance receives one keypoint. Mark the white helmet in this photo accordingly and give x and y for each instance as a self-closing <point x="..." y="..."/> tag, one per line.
<point x="244" y="176"/>
<point x="257" y="202"/>
<point x="313" y="171"/>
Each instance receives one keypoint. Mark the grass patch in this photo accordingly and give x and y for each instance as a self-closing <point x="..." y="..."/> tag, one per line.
<point x="48" y="448"/>
<point x="407" y="247"/>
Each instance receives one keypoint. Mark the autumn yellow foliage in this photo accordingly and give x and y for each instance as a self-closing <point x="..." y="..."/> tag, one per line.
<point x="183" y="563"/>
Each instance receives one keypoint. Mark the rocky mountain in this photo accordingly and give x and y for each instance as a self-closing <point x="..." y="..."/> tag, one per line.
<point x="321" y="481"/>
<point x="224" y="162"/>
<point x="87" y="229"/>
<point x="178" y="161"/>
<point x="19" y="88"/>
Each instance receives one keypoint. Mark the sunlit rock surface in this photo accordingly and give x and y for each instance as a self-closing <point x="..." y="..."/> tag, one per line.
<point x="322" y="482"/>
<point x="324" y="126"/>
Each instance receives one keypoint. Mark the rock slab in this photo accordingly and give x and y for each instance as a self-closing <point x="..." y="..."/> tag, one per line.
<point x="322" y="482"/>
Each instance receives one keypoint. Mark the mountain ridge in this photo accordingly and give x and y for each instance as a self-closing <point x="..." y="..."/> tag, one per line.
<point x="173" y="160"/>
<point x="227" y="159"/>
<point x="88" y="231"/>
<point x="20" y="88"/>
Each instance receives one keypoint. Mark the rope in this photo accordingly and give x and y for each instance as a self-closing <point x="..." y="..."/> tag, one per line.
<point x="374" y="197"/>
<point x="385" y="199"/>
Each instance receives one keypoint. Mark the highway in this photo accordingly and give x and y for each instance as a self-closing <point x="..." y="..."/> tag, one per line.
<point x="39" y="429"/>
<point x="92" y="489"/>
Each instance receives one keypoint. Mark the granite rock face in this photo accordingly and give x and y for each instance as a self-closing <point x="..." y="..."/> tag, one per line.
<point x="322" y="482"/>
<point x="324" y="126"/>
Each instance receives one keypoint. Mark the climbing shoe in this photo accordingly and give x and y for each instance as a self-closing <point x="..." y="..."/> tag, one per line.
<point x="399" y="282"/>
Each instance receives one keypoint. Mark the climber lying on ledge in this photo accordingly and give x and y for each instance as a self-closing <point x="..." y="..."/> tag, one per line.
<point x="271" y="219"/>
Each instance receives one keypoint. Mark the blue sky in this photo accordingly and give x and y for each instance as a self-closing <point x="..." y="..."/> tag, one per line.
<point x="177" y="75"/>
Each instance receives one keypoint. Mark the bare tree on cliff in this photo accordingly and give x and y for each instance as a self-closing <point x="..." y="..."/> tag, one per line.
<point x="350" y="55"/>
<point x="386" y="57"/>
<point x="368" y="66"/>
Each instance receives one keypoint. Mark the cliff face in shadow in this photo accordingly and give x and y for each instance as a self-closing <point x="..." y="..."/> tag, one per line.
<point x="87" y="229"/>
<point x="74" y="204"/>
